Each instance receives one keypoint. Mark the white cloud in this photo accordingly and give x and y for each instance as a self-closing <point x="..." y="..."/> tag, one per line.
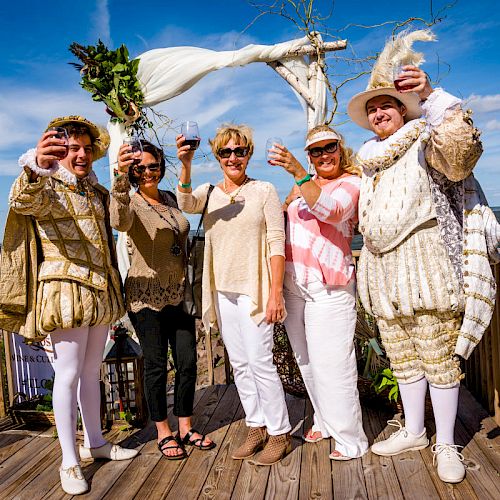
<point x="483" y="103"/>
<point x="100" y="19"/>
<point x="492" y="125"/>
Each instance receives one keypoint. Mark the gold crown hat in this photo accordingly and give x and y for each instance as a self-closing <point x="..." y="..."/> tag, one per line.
<point x="99" y="135"/>
<point x="397" y="51"/>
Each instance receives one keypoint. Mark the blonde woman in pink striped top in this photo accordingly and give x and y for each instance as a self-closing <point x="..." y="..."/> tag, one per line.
<point x="319" y="286"/>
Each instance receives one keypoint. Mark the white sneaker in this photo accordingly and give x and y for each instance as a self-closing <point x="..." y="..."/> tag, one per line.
<point x="399" y="442"/>
<point x="72" y="480"/>
<point x="450" y="465"/>
<point x="108" y="451"/>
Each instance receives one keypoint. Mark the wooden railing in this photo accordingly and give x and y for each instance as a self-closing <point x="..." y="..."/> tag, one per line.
<point x="482" y="369"/>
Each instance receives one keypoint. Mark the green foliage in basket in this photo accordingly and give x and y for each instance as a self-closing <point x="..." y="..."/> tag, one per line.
<point x="46" y="400"/>
<point x="385" y="381"/>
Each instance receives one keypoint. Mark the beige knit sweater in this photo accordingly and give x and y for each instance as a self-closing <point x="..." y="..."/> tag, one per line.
<point x="156" y="276"/>
<point x="240" y="238"/>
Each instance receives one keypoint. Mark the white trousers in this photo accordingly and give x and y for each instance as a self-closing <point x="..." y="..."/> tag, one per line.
<point x="249" y="347"/>
<point x="320" y="325"/>
<point x="77" y="362"/>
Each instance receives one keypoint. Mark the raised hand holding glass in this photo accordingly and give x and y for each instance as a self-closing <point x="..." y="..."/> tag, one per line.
<point x="135" y="146"/>
<point x="191" y="134"/>
<point x="270" y="145"/>
<point x="60" y="134"/>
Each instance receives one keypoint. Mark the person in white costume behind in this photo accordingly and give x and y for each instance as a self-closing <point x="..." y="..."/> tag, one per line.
<point x="412" y="275"/>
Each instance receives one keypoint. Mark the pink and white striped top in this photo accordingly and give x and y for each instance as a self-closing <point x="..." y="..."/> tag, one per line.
<point x="318" y="239"/>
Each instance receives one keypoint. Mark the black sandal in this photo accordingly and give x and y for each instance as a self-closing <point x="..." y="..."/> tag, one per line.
<point x="197" y="442"/>
<point x="162" y="447"/>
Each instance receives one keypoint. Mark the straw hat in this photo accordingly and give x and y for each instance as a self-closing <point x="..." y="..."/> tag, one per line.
<point x="99" y="135"/>
<point x="396" y="52"/>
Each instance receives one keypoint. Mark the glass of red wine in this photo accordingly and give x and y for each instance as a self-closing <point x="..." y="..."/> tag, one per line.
<point x="399" y="78"/>
<point x="191" y="134"/>
<point x="135" y="148"/>
<point x="61" y="134"/>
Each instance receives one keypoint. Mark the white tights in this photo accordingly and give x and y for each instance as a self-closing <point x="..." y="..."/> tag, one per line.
<point x="77" y="361"/>
<point x="444" y="406"/>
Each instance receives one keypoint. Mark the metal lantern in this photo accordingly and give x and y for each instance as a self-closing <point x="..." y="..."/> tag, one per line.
<point x="122" y="374"/>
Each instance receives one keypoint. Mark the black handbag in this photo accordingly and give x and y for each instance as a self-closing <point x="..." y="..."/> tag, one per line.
<point x="194" y="268"/>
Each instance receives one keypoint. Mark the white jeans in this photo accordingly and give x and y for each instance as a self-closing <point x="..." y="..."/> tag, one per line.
<point x="249" y="347"/>
<point x="320" y="325"/>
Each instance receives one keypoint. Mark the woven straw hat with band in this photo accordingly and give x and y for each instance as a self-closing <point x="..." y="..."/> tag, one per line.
<point x="99" y="135"/>
<point x="396" y="52"/>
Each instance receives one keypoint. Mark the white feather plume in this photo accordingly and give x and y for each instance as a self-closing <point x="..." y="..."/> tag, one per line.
<point x="398" y="51"/>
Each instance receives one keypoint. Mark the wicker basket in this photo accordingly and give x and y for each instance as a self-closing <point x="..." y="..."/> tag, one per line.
<point x="285" y="362"/>
<point x="25" y="413"/>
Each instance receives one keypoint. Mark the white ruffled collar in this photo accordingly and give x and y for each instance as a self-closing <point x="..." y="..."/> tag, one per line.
<point x="377" y="154"/>
<point x="64" y="175"/>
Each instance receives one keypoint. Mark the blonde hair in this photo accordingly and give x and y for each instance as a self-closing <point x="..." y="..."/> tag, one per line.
<point x="240" y="134"/>
<point x="346" y="154"/>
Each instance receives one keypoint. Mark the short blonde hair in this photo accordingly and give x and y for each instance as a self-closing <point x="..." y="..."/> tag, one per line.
<point x="241" y="134"/>
<point x="346" y="154"/>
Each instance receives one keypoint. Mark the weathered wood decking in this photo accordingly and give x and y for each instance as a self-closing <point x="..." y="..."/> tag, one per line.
<point x="29" y="462"/>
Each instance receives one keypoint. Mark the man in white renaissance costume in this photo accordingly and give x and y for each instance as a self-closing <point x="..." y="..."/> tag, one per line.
<point x="422" y="271"/>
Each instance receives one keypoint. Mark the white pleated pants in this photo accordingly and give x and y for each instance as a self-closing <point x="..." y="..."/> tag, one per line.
<point x="249" y="347"/>
<point x="320" y="325"/>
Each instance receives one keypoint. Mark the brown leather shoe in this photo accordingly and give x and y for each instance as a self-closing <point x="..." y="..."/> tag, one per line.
<point x="277" y="447"/>
<point x="254" y="442"/>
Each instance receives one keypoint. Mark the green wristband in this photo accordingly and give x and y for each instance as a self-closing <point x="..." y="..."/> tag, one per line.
<point x="304" y="179"/>
<point x="185" y="186"/>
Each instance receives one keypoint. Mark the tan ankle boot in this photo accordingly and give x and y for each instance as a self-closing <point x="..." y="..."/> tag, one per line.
<point x="255" y="441"/>
<point x="276" y="448"/>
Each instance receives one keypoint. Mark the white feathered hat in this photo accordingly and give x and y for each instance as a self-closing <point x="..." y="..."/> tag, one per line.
<point x="396" y="52"/>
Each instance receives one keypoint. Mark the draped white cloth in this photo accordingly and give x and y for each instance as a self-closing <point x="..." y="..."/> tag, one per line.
<point x="166" y="73"/>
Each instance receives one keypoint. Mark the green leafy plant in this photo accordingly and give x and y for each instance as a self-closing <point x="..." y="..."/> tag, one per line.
<point x="111" y="77"/>
<point x="384" y="381"/>
<point x="45" y="403"/>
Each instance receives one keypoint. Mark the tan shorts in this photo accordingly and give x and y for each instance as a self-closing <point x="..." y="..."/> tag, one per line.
<point x="423" y="345"/>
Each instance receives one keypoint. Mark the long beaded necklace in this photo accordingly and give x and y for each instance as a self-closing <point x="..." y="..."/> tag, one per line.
<point x="175" y="249"/>
<point x="235" y="193"/>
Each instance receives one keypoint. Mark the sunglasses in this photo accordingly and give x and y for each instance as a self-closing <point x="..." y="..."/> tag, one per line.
<point x="331" y="147"/>
<point x="152" y="167"/>
<point x="240" y="152"/>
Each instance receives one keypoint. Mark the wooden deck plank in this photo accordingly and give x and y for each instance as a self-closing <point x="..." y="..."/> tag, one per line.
<point x="483" y="427"/>
<point x="412" y="475"/>
<point x="380" y="476"/>
<point x="316" y="471"/>
<point x="29" y="462"/>
<point x="130" y="481"/>
<point x="284" y="478"/>
<point x="11" y="441"/>
<point x="200" y="462"/>
<point x="222" y="477"/>
<point x="24" y="460"/>
<point x="165" y="472"/>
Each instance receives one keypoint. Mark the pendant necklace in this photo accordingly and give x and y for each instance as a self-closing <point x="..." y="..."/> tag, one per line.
<point x="235" y="193"/>
<point x="175" y="249"/>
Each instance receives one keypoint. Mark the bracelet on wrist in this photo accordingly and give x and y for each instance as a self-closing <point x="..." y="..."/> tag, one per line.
<point x="185" y="186"/>
<point x="304" y="179"/>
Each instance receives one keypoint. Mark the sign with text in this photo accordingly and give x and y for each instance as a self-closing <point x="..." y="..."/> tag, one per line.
<point x="31" y="365"/>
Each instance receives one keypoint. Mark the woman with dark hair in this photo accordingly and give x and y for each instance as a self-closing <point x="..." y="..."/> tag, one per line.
<point x="154" y="291"/>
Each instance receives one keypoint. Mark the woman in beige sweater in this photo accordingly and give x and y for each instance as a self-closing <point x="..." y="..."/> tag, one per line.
<point x="243" y="282"/>
<point x="154" y="290"/>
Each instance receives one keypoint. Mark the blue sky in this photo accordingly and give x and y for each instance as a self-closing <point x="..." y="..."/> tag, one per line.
<point x="37" y="84"/>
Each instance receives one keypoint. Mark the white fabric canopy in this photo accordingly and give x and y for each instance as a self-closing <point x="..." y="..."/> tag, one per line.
<point x="166" y="73"/>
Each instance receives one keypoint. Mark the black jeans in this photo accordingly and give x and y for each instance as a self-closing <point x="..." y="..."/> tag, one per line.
<point x="155" y="331"/>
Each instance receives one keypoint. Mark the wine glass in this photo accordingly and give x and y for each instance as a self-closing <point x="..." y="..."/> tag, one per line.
<point x="135" y="148"/>
<point x="191" y="133"/>
<point x="61" y="133"/>
<point x="270" y="144"/>
<point x="398" y="78"/>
